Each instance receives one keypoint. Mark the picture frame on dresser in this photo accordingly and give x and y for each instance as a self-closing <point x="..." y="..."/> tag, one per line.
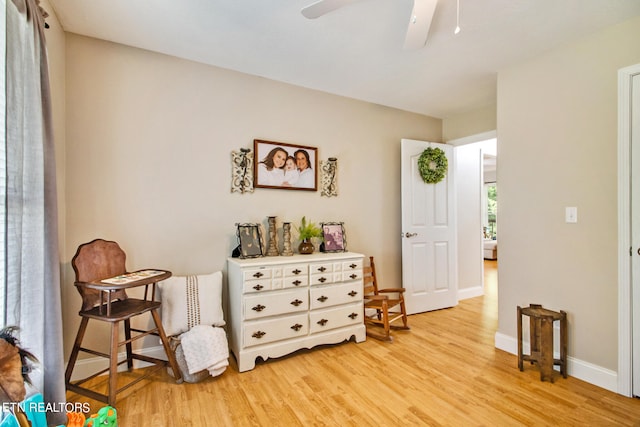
<point x="250" y="240"/>
<point x="333" y="236"/>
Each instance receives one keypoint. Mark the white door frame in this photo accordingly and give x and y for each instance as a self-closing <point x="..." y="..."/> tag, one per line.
<point x="624" y="230"/>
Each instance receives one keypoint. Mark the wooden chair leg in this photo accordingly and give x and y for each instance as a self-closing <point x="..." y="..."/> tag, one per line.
<point x="385" y="319"/>
<point x="76" y="349"/>
<point x="405" y="321"/>
<point x="520" y="365"/>
<point x="563" y="344"/>
<point x="128" y="346"/>
<point x="113" y="365"/>
<point x="167" y="348"/>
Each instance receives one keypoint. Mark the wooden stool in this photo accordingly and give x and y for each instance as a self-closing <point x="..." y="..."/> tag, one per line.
<point x="541" y="340"/>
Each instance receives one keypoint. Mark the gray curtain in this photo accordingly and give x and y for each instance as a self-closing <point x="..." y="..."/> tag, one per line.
<point x="30" y="240"/>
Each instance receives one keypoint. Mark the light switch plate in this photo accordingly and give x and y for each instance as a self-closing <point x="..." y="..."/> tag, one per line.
<point x="571" y="214"/>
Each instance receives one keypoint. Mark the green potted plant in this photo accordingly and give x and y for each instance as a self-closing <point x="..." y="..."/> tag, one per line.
<point x="306" y="232"/>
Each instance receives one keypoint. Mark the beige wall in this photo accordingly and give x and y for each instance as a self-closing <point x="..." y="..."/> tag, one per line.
<point x="148" y="149"/>
<point x="557" y="142"/>
<point x="470" y="123"/>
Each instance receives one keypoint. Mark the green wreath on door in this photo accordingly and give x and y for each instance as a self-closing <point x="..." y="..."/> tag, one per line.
<point x="433" y="165"/>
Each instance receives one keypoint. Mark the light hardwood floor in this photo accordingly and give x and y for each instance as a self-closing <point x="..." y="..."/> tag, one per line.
<point x="445" y="371"/>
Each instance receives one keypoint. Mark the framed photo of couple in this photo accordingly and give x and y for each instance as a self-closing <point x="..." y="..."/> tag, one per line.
<point x="284" y="166"/>
<point x="333" y="236"/>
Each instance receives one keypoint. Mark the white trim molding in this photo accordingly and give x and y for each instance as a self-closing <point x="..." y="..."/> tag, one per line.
<point x="585" y="371"/>
<point x="471" y="292"/>
<point x="625" y="76"/>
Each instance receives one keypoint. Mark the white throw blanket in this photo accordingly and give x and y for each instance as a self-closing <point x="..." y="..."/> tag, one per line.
<point x="205" y="347"/>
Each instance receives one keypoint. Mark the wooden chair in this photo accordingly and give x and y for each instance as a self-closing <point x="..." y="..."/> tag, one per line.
<point x="380" y="309"/>
<point x="92" y="263"/>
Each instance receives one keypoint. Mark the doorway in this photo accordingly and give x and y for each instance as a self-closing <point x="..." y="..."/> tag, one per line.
<point x="476" y="165"/>
<point x="429" y="262"/>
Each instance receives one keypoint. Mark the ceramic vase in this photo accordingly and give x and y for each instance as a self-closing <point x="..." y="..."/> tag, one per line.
<point x="306" y="247"/>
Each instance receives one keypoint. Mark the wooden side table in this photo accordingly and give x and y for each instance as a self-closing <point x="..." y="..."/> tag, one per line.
<point x="541" y="340"/>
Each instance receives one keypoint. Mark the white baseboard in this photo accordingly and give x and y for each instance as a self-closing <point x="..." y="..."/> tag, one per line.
<point x="577" y="368"/>
<point x="472" y="292"/>
<point x="89" y="366"/>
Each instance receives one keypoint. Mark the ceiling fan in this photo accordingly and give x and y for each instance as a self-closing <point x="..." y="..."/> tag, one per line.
<point x="419" y="21"/>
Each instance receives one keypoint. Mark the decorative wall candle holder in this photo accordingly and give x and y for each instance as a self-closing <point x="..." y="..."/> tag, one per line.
<point x="329" y="170"/>
<point x="242" y="171"/>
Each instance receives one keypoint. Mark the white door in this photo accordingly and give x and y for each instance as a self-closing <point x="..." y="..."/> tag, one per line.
<point x="429" y="261"/>
<point x="635" y="229"/>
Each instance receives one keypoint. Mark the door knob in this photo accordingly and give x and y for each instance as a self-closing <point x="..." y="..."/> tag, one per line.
<point x="407" y="234"/>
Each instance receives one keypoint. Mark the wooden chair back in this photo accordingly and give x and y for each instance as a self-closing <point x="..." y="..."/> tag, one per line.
<point x="97" y="260"/>
<point x="369" y="278"/>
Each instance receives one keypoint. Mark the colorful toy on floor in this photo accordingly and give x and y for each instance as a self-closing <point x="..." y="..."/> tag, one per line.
<point x="76" y="419"/>
<point x="106" y="417"/>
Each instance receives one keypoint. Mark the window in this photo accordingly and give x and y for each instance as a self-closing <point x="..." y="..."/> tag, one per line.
<point x="490" y="211"/>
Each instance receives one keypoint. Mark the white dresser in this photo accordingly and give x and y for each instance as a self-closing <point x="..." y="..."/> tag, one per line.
<point x="278" y="305"/>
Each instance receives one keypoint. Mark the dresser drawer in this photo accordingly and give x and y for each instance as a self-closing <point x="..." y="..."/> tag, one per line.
<point x="296" y="270"/>
<point x="321" y="267"/>
<point x="330" y="295"/>
<point x="295" y="282"/>
<point x="324" y="320"/>
<point x="350" y="275"/>
<point x="257" y="273"/>
<point x="273" y="303"/>
<point x="352" y="265"/>
<point x="324" y="278"/>
<point x="256" y="286"/>
<point x="291" y="276"/>
<point x="265" y="331"/>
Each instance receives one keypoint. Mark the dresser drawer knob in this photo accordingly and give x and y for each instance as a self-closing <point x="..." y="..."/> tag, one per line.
<point x="296" y="302"/>
<point x="354" y="276"/>
<point x="322" y="322"/>
<point x="296" y="271"/>
<point x="322" y="279"/>
<point x="352" y="293"/>
<point x="296" y="327"/>
<point x="296" y="282"/>
<point x="323" y="298"/>
<point x="258" y="275"/>
<point x="258" y="334"/>
<point x="258" y="308"/>
<point x="353" y="315"/>
<point x="322" y="269"/>
<point x="258" y="287"/>
<point x="352" y="266"/>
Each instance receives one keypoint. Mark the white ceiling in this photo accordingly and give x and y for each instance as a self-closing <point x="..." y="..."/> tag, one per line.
<point x="355" y="51"/>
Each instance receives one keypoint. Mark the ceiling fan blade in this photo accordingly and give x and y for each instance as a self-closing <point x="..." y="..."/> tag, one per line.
<point x="322" y="7"/>
<point x="419" y="23"/>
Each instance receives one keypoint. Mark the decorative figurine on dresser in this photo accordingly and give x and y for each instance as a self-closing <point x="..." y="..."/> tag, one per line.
<point x="282" y="304"/>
